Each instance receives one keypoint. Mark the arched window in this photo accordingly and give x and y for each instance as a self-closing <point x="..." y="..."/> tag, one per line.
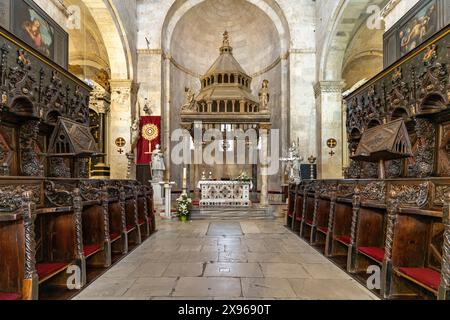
<point x="225" y="80"/>
<point x="214" y="106"/>
<point x="220" y="78"/>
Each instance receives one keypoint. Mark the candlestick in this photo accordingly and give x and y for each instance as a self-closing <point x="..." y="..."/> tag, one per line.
<point x="184" y="180"/>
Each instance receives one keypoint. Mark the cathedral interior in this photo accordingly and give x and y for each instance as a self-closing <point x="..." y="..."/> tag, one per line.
<point x="225" y="149"/>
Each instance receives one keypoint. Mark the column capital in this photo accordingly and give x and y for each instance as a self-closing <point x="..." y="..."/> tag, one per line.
<point x="328" y="87"/>
<point x="122" y="90"/>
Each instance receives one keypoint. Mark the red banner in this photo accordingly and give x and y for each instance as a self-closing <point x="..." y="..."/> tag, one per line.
<point x="150" y="137"/>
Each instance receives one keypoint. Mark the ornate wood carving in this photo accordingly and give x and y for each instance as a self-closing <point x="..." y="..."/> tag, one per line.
<point x="392" y="210"/>
<point x="424" y="154"/>
<point x="105" y="208"/>
<point x="11" y="195"/>
<point x="28" y="207"/>
<point x="445" y="269"/>
<point x="411" y="194"/>
<point x="415" y="88"/>
<point x="30" y="164"/>
<point x="374" y="191"/>
<point x="58" y="194"/>
<point x="78" y="209"/>
<point x="91" y="190"/>
<point x="59" y="168"/>
<point x="355" y="217"/>
<point x="36" y="87"/>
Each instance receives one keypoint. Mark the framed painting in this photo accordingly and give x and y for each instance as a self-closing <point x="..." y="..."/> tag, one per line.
<point x="30" y="26"/>
<point x="420" y="23"/>
<point x="28" y="22"/>
<point x="419" y="28"/>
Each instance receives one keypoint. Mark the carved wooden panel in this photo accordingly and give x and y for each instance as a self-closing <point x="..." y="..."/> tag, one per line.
<point x="8" y="156"/>
<point x="443" y="162"/>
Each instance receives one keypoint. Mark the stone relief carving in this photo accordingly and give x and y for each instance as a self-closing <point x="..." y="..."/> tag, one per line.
<point x="190" y="104"/>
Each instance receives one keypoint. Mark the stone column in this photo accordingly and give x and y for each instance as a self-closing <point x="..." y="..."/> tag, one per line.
<point x="329" y="125"/>
<point x="166" y="114"/>
<point x="123" y="95"/>
<point x="285" y="91"/>
<point x="264" y="134"/>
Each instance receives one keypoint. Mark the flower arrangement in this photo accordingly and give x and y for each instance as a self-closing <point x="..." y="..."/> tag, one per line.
<point x="184" y="207"/>
<point x="243" y="177"/>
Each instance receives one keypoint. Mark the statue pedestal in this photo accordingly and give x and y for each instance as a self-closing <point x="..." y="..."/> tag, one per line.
<point x="157" y="193"/>
<point x="167" y="214"/>
<point x="158" y="186"/>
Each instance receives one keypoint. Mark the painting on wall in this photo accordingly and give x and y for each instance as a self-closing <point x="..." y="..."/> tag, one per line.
<point x="32" y="28"/>
<point x="419" y="28"/>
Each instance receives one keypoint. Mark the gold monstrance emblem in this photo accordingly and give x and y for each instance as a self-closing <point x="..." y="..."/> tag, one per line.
<point x="150" y="132"/>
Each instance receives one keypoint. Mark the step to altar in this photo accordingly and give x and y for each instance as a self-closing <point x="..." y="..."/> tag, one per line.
<point x="253" y="213"/>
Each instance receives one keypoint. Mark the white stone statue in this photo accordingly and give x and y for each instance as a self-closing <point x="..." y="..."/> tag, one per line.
<point x="135" y="133"/>
<point x="264" y="96"/>
<point x="157" y="165"/>
<point x="293" y="163"/>
<point x="190" y="103"/>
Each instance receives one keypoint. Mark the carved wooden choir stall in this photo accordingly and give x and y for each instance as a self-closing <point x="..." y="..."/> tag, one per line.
<point x="58" y="229"/>
<point x="392" y="211"/>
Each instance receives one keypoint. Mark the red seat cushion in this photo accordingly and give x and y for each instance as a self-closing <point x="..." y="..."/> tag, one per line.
<point x="373" y="252"/>
<point x="130" y="227"/>
<point x="299" y="218"/>
<point x="425" y="276"/>
<point x="46" y="269"/>
<point x="89" y="249"/>
<point x="141" y="221"/>
<point x="310" y="222"/>
<point x="114" y="236"/>
<point x="344" y="239"/>
<point x="323" y="229"/>
<point x="291" y="214"/>
<point x="9" y="296"/>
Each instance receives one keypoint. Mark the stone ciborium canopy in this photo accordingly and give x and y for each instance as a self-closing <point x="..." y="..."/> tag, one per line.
<point x="225" y="95"/>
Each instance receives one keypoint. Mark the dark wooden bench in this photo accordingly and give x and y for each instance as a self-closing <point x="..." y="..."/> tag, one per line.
<point x="144" y="220"/>
<point x="368" y="227"/>
<point x="18" y="277"/>
<point x="326" y="200"/>
<point x="416" y="243"/>
<point x="339" y="233"/>
<point x="95" y="221"/>
<point x="129" y="198"/>
<point x="310" y="201"/>
<point x="59" y="244"/>
<point x="292" y="200"/>
<point x="118" y="236"/>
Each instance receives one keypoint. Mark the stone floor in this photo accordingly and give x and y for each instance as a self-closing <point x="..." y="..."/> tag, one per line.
<point x="225" y="260"/>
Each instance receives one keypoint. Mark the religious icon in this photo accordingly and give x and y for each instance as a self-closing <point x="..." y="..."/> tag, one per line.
<point x="31" y="27"/>
<point x="422" y="26"/>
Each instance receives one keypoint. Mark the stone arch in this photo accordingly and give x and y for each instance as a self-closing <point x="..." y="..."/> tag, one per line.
<point x="181" y="7"/>
<point x="114" y="36"/>
<point x="338" y="37"/>
<point x="177" y="11"/>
